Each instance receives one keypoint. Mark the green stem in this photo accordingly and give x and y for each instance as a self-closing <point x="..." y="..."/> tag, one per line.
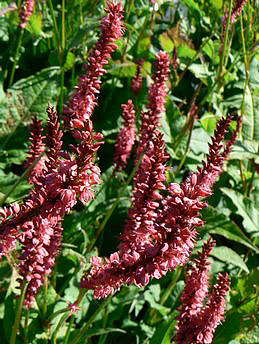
<point x="18" y="313"/>
<point x="61" y="58"/>
<point x="69" y="329"/>
<point x="222" y="60"/>
<point x="56" y="34"/>
<point x="171" y="286"/>
<point x="58" y="327"/>
<point x="84" y="330"/>
<point x="45" y="305"/>
<point x="54" y="315"/>
<point x="23" y="176"/>
<point x="20" y="35"/>
<point x="187" y="147"/>
<point x="62" y="82"/>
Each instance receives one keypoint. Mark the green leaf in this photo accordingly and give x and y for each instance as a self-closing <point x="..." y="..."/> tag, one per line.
<point x="123" y="69"/>
<point x="217" y="3"/>
<point x="164" y="331"/>
<point x="246" y="286"/>
<point x="201" y="71"/>
<point x="218" y="223"/>
<point x="33" y="94"/>
<point x="185" y="51"/>
<point x="199" y="141"/>
<point x="245" y="208"/>
<point x="9" y="315"/>
<point x="248" y="115"/>
<point x="149" y="297"/>
<point x="70" y="61"/>
<point x="166" y="42"/>
<point x="229" y="256"/>
<point x="245" y="150"/>
<point x="209" y="122"/>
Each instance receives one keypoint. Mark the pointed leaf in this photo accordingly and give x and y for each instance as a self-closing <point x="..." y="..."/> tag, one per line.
<point x="229" y="256"/>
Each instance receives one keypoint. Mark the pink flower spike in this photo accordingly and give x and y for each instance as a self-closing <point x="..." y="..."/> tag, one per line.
<point x="136" y="83"/>
<point x="36" y="149"/>
<point x="26" y="12"/>
<point x="238" y="8"/>
<point x="196" y="322"/>
<point x="126" y="137"/>
<point x="83" y="100"/>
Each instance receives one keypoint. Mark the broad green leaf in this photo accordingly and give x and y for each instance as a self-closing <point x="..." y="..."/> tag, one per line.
<point x="149" y="297"/>
<point x="208" y="48"/>
<point x="217" y="3"/>
<point x="166" y="42"/>
<point x="123" y="69"/>
<point x="36" y="24"/>
<point x="164" y="331"/>
<point x="45" y="298"/>
<point x="199" y="141"/>
<point x="33" y="94"/>
<point x="13" y="186"/>
<point x="229" y="256"/>
<point x="70" y="61"/>
<point x="201" y="71"/>
<point x="246" y="209"/>
<point x="185" y="51"/>
<point x="218" y="223"/>
<point x="246" y="286"/>
<point x="9" y="315"/>
<point x="248" y="115"/>
<point x="245" y="150"/>
<point x="209" y="122"/>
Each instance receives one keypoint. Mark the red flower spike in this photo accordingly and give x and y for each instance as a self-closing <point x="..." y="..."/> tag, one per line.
<point x="126" y="137"/>
<point x="26" y="12"/>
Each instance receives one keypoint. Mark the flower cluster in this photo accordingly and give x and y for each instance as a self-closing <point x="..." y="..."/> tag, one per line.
<point x="26" y="12"/>
<point x="197" y="322"/>
<point x="126" y="137"/>
<point x="159" y="234"/>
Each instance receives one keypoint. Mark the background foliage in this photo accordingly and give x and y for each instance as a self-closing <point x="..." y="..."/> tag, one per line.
<point x="41" y="65"/>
